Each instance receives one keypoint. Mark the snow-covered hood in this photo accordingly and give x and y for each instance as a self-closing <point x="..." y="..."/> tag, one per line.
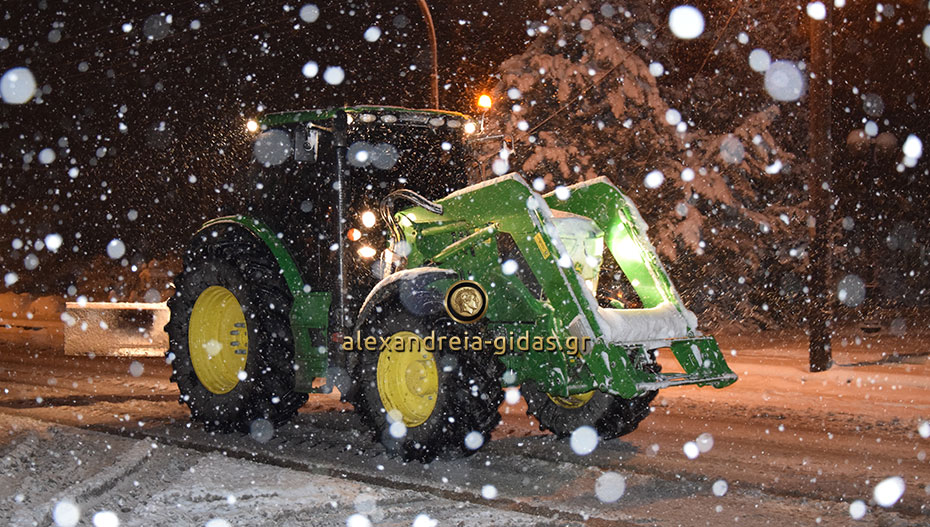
<point x="663" y="322"/>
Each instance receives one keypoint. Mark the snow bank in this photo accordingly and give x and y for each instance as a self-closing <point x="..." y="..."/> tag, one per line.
<point x="117" y="329"/>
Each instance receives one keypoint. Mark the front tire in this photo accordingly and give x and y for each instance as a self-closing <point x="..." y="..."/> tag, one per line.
<point x="231" y="348"/>
<point x="422" y="405"/>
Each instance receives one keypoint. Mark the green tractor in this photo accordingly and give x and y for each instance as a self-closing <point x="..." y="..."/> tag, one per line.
<point x="361" y="259"/>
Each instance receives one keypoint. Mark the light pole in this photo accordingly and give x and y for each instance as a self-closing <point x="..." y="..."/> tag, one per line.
<point x="435" y="51"/>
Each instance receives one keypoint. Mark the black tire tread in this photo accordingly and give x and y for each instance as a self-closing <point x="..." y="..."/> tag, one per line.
<point x="611" y="416"/>
<point x="470" y="409"/>
<point x="236" y="256"/>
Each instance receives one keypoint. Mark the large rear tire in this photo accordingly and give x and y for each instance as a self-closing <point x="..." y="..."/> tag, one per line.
<point x="422" y="405"/>
<point x="231" y="347"/>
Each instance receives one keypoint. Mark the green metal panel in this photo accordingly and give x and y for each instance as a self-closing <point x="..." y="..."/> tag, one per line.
<point x="462" y="238"/>
<point x="508" y="204"/>
<point x="702" y="355"/>
<point x="309" y="310"/>
<point x="626" y="239"/>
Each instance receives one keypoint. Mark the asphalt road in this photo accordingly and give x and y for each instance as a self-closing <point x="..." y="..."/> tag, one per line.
<point x="793" y="448"/>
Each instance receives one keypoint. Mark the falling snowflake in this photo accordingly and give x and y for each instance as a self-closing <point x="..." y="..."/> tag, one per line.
<point x="509" y="267"/>
<point x="46" y="156"/>
<point x="924" y="429"/>
<point x="136" y="368"/>
<point x="372" y="34"/>
<point x="309" y="13"/>
<point x="691" y="450"/>
<point x="474" y="440"/>
<point x="106" y="519"/>
<point x="310" y="69"/>
<point x="116" y="249"/>
<point x="334" y="75"/>
<point x="686" y="22"/>
<point x="850" y="291"/>
<point x="397" y="429"/>
<point x="913" y="147"/>
<point x="583" y="440"/>
<point x="654" y="179"/>
<point x="17" y="86"/>
<point x="705" y="442"/>
<point x="66" y="514"/>
<point x="423" y="520"/>
<point x="784" y="81"/>
<point x="610" y="487"/>
<point x="857" y="509"/>
<point x="817" y="10"/>
<point x="759" y="60"/>
<point x="53" y="242"/>
<point x="889" y="491"/>
<point x="358" y="520"/>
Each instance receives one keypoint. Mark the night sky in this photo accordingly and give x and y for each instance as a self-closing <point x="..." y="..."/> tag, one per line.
<point x="144" y="105"/>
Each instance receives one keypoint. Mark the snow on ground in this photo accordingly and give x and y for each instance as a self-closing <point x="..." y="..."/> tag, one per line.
<point x="146" y="483"/>
<point x="781" y="445"/>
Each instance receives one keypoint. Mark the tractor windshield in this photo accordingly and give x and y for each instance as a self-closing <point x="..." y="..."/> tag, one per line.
<point x="424" y="152"/>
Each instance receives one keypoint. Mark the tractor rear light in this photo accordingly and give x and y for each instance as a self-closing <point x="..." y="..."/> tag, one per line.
<point x="354" y="235"/>
<point x="366" y="251"/>
<point x="251" y="125"/>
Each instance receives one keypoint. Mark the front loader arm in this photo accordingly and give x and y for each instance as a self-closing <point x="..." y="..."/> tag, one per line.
<point x="619" y="341"/>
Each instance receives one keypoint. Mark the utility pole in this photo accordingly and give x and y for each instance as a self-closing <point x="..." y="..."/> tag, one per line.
<point x="434" y="48"/>
<point x="820" y="186"/>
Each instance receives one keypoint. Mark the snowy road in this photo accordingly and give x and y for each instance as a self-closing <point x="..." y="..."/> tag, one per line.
<point x="792" y="447"/>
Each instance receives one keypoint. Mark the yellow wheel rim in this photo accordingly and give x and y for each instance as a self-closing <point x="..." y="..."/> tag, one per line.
<point x="218" y="339"/>
<point x="573" y="401"/>
<point x="408" y="381"/>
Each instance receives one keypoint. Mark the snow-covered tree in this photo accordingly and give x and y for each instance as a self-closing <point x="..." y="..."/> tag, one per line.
<point x="724" y="201"/>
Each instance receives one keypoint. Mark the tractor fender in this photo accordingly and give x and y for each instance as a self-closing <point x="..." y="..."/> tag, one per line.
<point x="309" y="316"/>
<point x="417" y="290"/>
<point x="295" y="282"/>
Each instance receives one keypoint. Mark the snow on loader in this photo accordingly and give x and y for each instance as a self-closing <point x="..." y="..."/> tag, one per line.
<point x="339" y="270"/>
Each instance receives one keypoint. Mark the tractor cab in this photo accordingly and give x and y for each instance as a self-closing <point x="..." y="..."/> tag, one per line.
<point x="323" y="176"/>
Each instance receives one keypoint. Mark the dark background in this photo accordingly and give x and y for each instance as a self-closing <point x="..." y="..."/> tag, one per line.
<point x="153" y="119"/>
